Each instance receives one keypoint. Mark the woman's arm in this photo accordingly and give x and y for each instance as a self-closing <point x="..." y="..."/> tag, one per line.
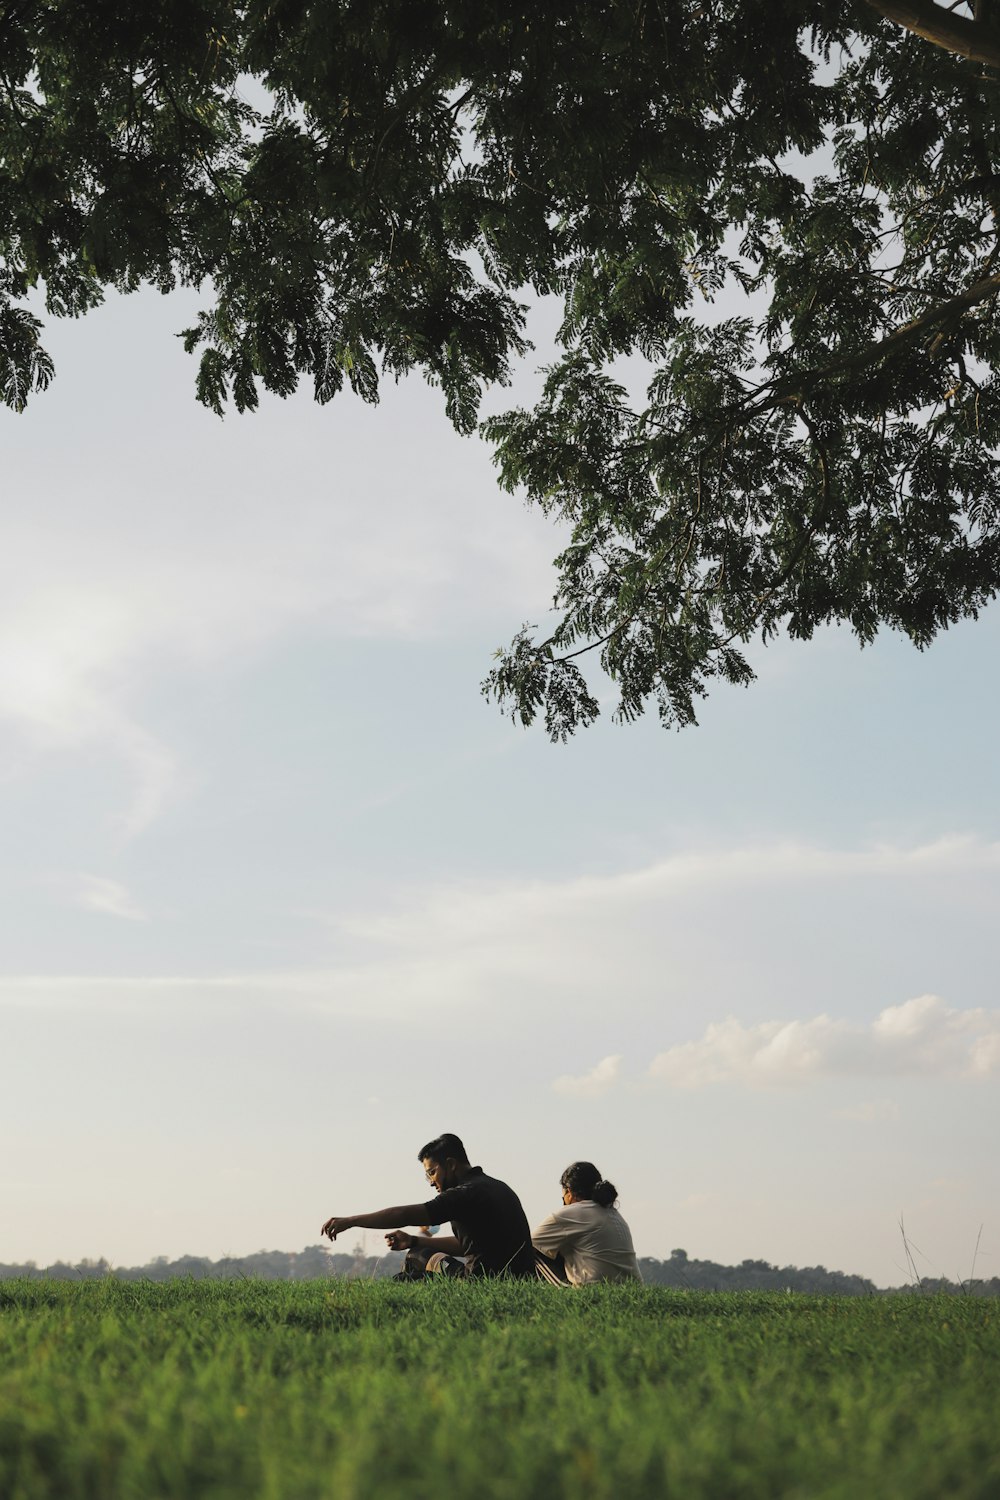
<point x="551" y="1236"/>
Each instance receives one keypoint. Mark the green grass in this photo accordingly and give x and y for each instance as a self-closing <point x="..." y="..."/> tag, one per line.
<point x="135" y="1391"/>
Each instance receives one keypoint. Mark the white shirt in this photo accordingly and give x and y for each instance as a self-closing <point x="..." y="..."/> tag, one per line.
<point x="594" y="1242"/>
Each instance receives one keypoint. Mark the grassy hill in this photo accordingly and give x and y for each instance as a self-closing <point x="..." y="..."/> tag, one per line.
<point x="233" y="1390"/>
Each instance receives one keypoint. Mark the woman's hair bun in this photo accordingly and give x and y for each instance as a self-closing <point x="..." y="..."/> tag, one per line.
<point x="583" y="1180"/>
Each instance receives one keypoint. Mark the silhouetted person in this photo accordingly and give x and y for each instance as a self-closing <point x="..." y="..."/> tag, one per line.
<point x="490" y="1234"/>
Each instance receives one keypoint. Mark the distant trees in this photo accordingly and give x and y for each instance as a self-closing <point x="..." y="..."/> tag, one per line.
<point x="272" y="1265"/>
<point x="682" y="1272"/>
<point x="314" y="1263"/>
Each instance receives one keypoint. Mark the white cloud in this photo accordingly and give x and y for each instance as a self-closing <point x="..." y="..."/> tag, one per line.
<point x="62" y="650"/>
<point x="347" y="523"/>
<point x="922" y="1037"/>
<point x="591" y="1085"/>
<point x="472" y="913"/>
<point x="87" y="634"/>
<point x="342" y="992"/>
<point x="109" y="897"/>
<point x="651" y="935"/>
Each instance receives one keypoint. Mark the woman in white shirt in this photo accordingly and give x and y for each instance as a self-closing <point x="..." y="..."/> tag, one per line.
<point x="587" y="1239"/>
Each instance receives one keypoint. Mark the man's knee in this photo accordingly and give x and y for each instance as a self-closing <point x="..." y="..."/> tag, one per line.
<point x="414" y="1266"/>
<point x="419" y="1264"/>
<point x="440" y="1264"/>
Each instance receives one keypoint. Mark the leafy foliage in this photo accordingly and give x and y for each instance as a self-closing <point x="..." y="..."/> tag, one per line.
<point x="784" y="215"/>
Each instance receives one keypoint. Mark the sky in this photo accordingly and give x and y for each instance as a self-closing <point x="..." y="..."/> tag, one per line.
<point x="284" y="896"/>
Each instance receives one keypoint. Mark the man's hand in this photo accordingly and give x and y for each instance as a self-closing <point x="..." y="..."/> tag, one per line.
<point x="336" y="1226"/>
<point x="399" y="1240"/>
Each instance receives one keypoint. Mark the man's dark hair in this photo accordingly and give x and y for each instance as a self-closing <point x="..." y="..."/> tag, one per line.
<point x="441" y="1147"/>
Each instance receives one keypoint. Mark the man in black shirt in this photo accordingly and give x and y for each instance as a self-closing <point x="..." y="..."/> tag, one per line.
<point x="490" y="1234"/>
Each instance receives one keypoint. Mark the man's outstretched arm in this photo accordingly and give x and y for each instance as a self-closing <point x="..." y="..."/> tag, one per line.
<point x="384" y="1218"/>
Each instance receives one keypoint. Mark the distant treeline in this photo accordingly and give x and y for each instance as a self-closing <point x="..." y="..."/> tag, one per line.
<point x="679" y="1271"/>
<point x="760" y="1276"/>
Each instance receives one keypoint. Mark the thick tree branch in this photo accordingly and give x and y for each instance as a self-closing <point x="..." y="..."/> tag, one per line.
<point x="972" y="39"/>
<point x="787" y="387"/>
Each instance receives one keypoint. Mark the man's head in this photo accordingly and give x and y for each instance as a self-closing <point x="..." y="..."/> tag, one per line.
<point x="444" y="1161"/>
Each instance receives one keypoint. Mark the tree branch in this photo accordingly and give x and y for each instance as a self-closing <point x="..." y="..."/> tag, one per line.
<point x="822" y="507"/>
<point x="972" y="39"/>
<point x="572" y="655"/>
<point x="786" y="387"/>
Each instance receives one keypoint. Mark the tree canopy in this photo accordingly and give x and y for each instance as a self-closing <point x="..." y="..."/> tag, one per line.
<point x="784" y="213"/>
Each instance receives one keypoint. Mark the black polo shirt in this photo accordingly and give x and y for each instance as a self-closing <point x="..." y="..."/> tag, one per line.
<point x="489" y="1223"/>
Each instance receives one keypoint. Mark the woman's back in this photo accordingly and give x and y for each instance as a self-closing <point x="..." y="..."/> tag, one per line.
<point x="594" y="1242"/>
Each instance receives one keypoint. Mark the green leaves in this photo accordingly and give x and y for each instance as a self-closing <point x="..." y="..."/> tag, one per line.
<point x="24" y="364"/>
<point x="785" y="213"/>
<point x="530" y="679"/>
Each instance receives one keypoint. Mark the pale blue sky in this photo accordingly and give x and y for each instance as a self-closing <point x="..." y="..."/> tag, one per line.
<point x="284" y="896"/>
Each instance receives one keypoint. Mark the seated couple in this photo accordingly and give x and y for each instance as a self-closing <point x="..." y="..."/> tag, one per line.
<point x="585" y="1240"/>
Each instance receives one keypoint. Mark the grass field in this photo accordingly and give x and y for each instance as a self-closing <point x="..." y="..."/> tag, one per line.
<point x="135" y="1391"/>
